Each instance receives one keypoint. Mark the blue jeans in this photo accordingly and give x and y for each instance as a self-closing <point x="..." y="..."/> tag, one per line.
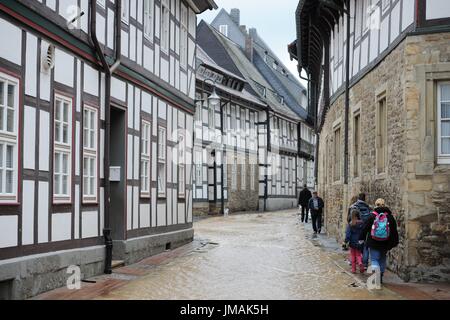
<point x="378" y="259"/>
<point x="365" y="258"/>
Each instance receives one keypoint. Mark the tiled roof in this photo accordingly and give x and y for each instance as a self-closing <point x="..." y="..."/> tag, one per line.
<point x="256" y="81"/>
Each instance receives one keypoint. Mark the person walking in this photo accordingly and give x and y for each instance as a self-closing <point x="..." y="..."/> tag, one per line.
<point x="364" y="213"/>
<point x="316" y="206"/>
<point x="352" y="234"/>
<point x="303" y="201"/>
<point x="381" y="233"/>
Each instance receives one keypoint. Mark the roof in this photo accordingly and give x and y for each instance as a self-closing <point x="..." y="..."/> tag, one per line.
<point x="256" y="82"/>
<point x="200" y="6"/>
<point x="204" y="59"/>
<point x="286" y="85"/>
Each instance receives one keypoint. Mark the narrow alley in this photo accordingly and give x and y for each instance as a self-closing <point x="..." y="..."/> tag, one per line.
<point x="246" y="256"/>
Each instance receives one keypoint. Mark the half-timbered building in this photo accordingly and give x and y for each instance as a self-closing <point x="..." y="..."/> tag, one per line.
<point x="379" y="73"/>
<point x="275" y="129"/>
<point x="96" y="111"/>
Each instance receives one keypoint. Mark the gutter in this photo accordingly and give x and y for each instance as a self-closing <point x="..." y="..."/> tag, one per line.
<point x="108" y="74"/>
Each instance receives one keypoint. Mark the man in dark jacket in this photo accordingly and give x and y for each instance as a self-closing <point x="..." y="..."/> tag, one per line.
<point x="379" y="249"/>
<point x="316" y="206"/>
<point x="303" y="201"/>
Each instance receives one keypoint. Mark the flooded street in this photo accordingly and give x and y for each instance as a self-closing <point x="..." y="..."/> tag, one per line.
<point x="253" y="256"/>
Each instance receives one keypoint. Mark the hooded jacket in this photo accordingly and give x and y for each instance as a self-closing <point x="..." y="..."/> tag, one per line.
<point x="363" y="208"/>
<point x="387" y="245"/>
<point x="353" y="233"/>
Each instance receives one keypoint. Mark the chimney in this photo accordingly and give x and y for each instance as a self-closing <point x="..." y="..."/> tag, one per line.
<point x="236" y="16"/>
<point x="249" y="47"/>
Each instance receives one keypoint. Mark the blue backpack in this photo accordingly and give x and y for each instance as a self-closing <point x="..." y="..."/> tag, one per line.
<point x="380" y="228"/>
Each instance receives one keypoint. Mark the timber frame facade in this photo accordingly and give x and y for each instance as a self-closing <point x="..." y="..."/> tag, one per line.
<point x="382" y="117"/>
<point x="99" y="100"/>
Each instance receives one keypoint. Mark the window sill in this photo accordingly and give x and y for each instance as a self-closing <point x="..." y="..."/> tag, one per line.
<point x="145" y="196"/>
<point x="91" y="202"/>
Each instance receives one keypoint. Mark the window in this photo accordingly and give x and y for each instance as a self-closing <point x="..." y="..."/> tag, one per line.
<point x="234" y="174"/>
<point x="381" y="140"/>
<point x="223" y="29"/>
<point x="9" y="106"/>
<point x="443" y="114"/>
<point x="162" y="162"/>
<point x="165" y="22"/>
<point x="183" y="36"/>
<point x="252" y="176"/>
<point x="337" y="154"/>
<point x="243" y="176"/>
<point x="146" y="134"/>
<point x="356" y="144"/>
<point x="211" y="121"/>
<point x="90" y="154"/>
<point x="125" y="11"/>
<point x="62" y="166"/>
<point x="149" y="7"/>
<point x="365" y="15"/>
<point x="198" y="168"/>
<point x="275" y="65"/>
<point x="242" y="119"/>
<point x="181" y="167"/>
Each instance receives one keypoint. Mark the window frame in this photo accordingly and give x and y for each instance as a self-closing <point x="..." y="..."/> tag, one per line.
<point x="162" y="161"/>
<point x="12" y="138"/>
<point x="381" y="144"/>
<point x="149" y="17"/>
<point x="184" y="36"/>
<point x="337" y="164"/>
<point x="91" y="152"/>
<point x="357" y="144"/>
<point x="63" y="148"/>
<point x="224" y="27"/>
<point x="145" y="194"/>
<point x="441" y="158"/>
<point x="125" y="15"/>
<point x="165" y="26"/>
<point x="181" y="157"/>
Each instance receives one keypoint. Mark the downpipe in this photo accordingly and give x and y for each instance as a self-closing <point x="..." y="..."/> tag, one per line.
<point x="108" y="74"/>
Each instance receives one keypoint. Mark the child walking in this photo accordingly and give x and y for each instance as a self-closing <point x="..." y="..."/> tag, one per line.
<point x="352" y="236"/>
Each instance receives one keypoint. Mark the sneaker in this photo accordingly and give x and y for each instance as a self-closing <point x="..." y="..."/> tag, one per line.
<point x="320" y="230"/>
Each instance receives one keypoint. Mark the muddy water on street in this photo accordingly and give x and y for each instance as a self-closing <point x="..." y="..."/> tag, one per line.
<point x="249" y="256"/>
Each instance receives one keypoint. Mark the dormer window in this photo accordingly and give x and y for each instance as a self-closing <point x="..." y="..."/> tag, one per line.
<point x="224" y="29"/>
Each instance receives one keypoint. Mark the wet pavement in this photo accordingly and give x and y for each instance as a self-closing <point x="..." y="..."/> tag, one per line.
<point x="248" y="256"/>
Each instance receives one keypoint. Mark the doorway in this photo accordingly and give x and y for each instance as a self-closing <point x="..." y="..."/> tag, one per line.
<point x="117" y="157"/>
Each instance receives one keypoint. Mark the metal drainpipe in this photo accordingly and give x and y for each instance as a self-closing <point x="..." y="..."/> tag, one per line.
<point x="347" y="95"/>
<point x="108" y="73"/>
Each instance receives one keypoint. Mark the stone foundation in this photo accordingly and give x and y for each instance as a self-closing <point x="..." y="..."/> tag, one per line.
<point x="415" y="187"/>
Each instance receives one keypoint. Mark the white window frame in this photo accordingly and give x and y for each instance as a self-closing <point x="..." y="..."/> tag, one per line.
<point x="234" y="174"/>
<point x="90" y="151"/>
<point x="243" y="176"/>
<point x="125" y="14"/>
<point x="184" y="36"/>
<point x="198" y="168"/>
<point x="149" y="16"/>
<point x="9" y="138"/>
<point x="252" y="176"/>
<point x="441" y="158"/>
<point x="63" y="148"/>
<point x="162" y="162"/>
<point x="145" y="161"/>
<point x="385" y="5"/>
<point x="223" y="29"/>
<point x="165" y="25"/>
<point x="181" y="165"/>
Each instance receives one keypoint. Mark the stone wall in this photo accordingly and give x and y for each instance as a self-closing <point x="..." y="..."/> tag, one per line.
<point x="414" y="186"/>
<point x="242" y="199"/>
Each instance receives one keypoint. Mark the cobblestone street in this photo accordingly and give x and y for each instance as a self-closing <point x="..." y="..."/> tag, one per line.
<point x="248" y="256"/>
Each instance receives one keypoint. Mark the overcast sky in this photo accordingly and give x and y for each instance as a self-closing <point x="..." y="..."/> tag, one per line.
<point x="275" y="23"/>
